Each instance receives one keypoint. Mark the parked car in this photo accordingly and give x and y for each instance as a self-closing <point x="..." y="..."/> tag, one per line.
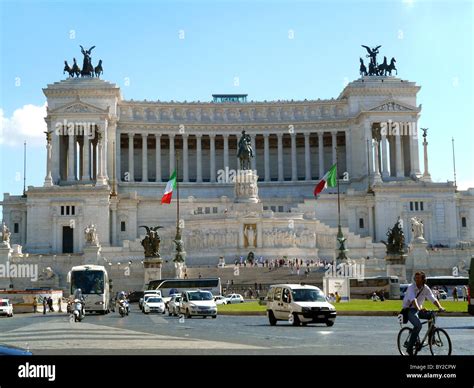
<point x="299" y="304"/>
<point x="234" y="298"/>
<point x="153" y="304"/>
<point x="10" y="350"/>
<point x="219" y="299"/>
<point x="198" y="303"/>
<point x="173" y="305"/>
<point x="135" y="296"/>
<point x="145" y="293"/>
<point x="6" y="308"/>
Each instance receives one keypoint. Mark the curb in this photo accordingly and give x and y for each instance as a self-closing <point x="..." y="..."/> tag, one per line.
<point x="343" y="313"/>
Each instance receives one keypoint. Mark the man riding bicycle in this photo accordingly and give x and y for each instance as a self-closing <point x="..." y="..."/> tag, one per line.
<point x="415" y="295"/>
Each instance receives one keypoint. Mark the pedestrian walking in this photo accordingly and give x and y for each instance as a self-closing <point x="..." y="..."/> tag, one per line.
<point x="45" y="303"/>
<point x="464" y="293"/>
<point x="60" y="309"/>
<point x="455" y="294"/>
<point x="35" y="304"/>
<point x="50" y="304"/>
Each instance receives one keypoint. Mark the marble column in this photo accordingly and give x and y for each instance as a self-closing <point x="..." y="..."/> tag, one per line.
<point x="334" y="145"/>
<point x="398" y="156"/>
<point x="118" y="156"/>
<point x="48" y="180"/>
<point x="348" y="140"/>
<point x="426" y="173"/>
<point x="385" y="172"/>
<point x="294" y="168"/>
<point x="185" y="158"/>
<point x="172" y="157"/>
<point x="131" y="167"/>
<point x="321" y="154"/>
<point x="414" y="156"/>
<point x="212" y="151"/>
<point x="71" y="167"/>
<point x="198" y="158"/>
<point x="113" y="220"/>
<point x="85" y="158"/>
<point x="226" y="151"/>
<point x="281" y="178"/>
<point x="144" y="157"/>
<point x="377" y="177"/>
<point x="307" y="156"/>
<point x="158" y="157"/>
<point x="266" y="156"/>
<point x="253" y="163"/>
<point x="101" y="179"/>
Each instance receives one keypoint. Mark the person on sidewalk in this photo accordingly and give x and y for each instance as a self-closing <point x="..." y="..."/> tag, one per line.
<point x="35" y="305"/>
<point x="45" y="304"/>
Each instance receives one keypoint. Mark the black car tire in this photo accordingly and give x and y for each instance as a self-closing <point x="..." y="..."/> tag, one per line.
<point x="271" y="318"/>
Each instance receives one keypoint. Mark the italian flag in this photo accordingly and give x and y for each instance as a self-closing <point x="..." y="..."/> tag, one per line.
<point x="169" y="189"/>
<point x="329" y="180"/>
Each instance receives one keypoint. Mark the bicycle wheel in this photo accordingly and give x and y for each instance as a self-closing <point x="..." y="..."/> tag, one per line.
<point x="440" y="343"/>
<point x="402" y="340"/>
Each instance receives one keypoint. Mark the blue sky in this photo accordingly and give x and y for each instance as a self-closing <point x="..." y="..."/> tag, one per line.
<point x="143" y="42"/>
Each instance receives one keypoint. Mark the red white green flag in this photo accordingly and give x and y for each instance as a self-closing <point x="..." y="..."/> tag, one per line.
<point x="329" y="180"/>
<point x="169" y="189"/>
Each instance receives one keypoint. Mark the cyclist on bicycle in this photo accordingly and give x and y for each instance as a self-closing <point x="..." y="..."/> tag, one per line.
<point x="415" y="295"/>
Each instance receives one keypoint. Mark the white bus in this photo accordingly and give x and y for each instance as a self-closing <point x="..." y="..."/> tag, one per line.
<point x="169" y="287"/>
<point x="94" y="284"/>
<point x="364" y="288"/>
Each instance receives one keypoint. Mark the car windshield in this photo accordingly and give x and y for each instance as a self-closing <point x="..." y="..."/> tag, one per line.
<point x="308" y="295"/>
<point x="155" y="300"/>
<point x="177" y="299"/>
<point x="200" y="295"/>
<point x="3" y="304"/>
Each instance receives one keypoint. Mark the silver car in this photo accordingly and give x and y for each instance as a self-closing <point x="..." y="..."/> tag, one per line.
<point x="173" y="305"/>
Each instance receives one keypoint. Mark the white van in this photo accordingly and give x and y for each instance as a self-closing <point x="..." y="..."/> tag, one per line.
<point x="299" y="304"/>
<point x="198" y="303"/>
<point x="6" y="308"/>
<point x="147" y="294"/>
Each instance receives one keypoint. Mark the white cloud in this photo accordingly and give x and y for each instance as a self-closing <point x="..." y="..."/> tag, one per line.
<point x="465" y="184"/>
<point x="26" y="123"/>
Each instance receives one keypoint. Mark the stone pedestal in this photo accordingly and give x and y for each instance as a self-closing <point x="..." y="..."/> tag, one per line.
<point x="245" y="188"/>
<point x="396" y="266"/>
<point x="418" y="255"/>
<point x="5" y="255"/>
<point x="92" y="254"/>
<point x="152" y="267"/>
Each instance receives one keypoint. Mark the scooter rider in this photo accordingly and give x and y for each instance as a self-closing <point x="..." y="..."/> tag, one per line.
<point x="122" y="298"/>
<point x="78" y="295"/>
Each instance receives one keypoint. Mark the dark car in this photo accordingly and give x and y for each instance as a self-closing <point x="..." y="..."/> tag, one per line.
<point x="135" y="296"/>
<point x="9" y="350"/>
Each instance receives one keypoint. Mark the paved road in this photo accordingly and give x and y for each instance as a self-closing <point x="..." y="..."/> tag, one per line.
<point x="160" y="334"/>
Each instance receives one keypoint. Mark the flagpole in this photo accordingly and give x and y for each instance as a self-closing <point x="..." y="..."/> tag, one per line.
<point x="177" y="192"/>
<point x="454" y="164"/>
<point x="340" y="237"/>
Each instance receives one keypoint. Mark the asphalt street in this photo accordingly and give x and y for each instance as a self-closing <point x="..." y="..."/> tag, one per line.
<point x="159" y="334"/>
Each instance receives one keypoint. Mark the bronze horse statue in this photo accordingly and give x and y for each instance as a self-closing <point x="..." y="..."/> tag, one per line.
<point x="98" y="69"/>
<point x="362" y="69"/>
<point x="245" y="153"/>
<point x="72" y="71"/>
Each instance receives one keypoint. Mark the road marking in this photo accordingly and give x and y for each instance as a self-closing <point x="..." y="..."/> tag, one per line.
<point x="60" y="334"/>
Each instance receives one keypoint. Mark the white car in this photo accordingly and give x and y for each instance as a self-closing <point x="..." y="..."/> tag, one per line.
<point x="234" y="298"/>
<point x="6" y="308"/>
<point x="153" y="304"/>
<point x="173" y="305"/>
<point x="198" y="303"/>
<point x="148" y="293"/>
<point x="299" y="304"/>
<point x="220" y="299"/>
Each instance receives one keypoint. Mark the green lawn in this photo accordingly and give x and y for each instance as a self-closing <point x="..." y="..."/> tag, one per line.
<point x="353" y="305"/>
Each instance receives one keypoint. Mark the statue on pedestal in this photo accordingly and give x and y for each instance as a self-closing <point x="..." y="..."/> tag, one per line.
<point x="395" y="239"/>
<point x="417" y="228"/>
<point x="5" y="235"/>
<point x="91" y="236"/>
<point x="245" y="152"/>
<point x="151" y="242"/>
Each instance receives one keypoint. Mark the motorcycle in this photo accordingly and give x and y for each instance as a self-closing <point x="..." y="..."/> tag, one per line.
<point x="78" y="310"/>
<point x="123" y="308"/>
